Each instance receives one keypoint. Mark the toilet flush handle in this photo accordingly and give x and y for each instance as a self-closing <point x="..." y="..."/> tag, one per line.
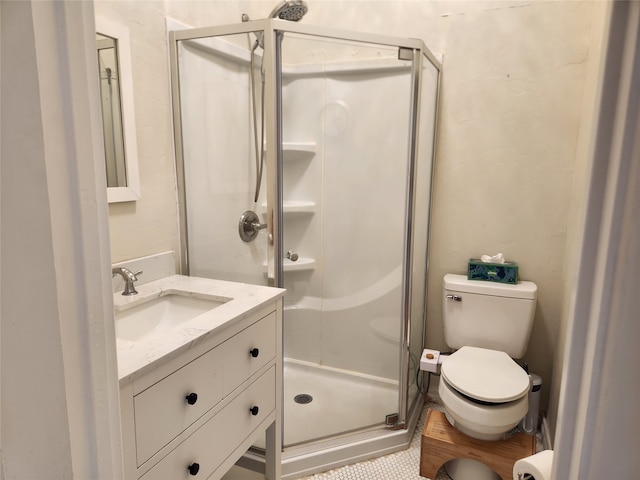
<point x="456" y="298"/>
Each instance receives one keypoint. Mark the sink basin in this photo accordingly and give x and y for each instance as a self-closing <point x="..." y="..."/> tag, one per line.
<point x="161" y="313"/>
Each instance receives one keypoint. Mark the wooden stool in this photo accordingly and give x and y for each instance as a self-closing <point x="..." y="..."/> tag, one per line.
<point x="441" y="442"/>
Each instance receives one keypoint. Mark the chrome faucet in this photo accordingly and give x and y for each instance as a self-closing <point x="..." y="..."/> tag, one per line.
<point x="129" y="277"/>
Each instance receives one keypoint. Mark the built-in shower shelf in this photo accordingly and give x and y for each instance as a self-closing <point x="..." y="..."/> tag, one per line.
<point x="299" y="208"/>
<point x="300" y="265"/>
<point x="293" y="151"/>
<point x="296" y="208"/>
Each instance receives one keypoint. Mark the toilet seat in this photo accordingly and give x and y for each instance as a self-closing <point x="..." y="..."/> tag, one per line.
<point x="485" y="375"/>
<point x="484" y="422"/>
<point x="484" y="391"/>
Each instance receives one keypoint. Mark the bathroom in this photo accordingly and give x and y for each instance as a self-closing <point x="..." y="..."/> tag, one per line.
<point x="519" y="83"/>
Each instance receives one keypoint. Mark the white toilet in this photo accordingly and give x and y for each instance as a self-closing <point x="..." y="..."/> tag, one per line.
<point x="484" y="391"/>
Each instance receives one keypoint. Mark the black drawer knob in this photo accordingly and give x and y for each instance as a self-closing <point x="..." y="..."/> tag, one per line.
<point x="194" y="468"/>
<point x="254" y="352"/>
<point x="192" y="398"/>
<point x="254" y="410"/>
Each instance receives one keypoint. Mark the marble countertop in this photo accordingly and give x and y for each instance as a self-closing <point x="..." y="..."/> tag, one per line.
<point x="137" y="358"/>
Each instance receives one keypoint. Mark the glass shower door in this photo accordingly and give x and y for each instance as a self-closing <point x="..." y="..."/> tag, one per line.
<point x="346" y="110"/>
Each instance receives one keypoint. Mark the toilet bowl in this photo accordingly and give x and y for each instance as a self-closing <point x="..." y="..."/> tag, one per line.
<point x="484" y="392"/>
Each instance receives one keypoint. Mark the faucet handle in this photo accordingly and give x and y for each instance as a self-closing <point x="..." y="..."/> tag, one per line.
<point x="129" y="278"/>
<point x="123" y="271"/>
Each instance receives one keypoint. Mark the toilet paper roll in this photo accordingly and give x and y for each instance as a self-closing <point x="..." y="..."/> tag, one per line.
<point x="537" y="466"/>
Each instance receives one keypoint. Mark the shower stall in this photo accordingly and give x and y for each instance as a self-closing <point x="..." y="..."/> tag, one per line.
<point x="304" y="161"/>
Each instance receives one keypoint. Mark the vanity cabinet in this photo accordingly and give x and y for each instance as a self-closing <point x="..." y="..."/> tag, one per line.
<point x="194" y="416"/>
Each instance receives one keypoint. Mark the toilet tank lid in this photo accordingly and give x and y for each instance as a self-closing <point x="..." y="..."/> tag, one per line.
<point x="460" y="283"/>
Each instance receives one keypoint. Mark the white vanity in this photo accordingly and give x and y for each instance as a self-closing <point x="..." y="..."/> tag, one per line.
<point x="200" y="368"/>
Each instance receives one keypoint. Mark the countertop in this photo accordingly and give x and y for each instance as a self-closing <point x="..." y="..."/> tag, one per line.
<point x="137" y="358"/>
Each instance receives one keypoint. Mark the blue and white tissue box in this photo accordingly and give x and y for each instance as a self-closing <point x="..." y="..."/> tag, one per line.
<point x="506" y="272"/>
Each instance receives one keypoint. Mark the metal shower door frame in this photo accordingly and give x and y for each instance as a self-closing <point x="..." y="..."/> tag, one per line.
<point x="272" y="31"/>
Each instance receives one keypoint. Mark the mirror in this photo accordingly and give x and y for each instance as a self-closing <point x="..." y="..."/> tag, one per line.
<point x="118" y="118"/>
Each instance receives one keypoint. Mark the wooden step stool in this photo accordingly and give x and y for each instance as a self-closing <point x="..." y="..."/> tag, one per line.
<point x="441" y="442"/>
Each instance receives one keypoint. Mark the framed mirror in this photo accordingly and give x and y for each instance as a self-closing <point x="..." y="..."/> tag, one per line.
<point x="118" y="116"/>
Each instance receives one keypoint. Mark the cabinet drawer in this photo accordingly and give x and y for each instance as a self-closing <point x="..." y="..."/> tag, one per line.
<point x="239" y="363"/>
<point x="211" y="444"/>
<point x="163" y="410"/>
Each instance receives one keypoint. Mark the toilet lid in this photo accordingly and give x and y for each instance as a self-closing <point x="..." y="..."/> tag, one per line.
<point x="486" y="375"/>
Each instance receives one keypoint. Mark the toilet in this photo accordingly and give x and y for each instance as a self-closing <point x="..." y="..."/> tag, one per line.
<point x="487" y="324"/>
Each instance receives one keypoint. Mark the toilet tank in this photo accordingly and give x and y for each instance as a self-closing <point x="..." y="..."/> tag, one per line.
<point x="488" y="314"/>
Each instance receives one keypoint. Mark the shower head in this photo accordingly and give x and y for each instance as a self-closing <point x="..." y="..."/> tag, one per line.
<point x="291" y="10"/>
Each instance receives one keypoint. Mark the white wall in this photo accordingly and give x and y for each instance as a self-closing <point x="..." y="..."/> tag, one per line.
<point x="511" y="97"/>
<point x="148" y="225"/>
<point x="598" y="417"/>
<point x="512" y="92"/>
<point x="577" y="202"/>
<point x="59" y="400"/>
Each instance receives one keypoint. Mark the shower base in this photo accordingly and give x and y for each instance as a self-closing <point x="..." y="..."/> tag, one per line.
<point x="341" y="401"/>
<point x="331" y="430"/>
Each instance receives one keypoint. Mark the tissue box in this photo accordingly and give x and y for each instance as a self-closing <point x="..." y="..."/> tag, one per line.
<point x="492" y="272"/>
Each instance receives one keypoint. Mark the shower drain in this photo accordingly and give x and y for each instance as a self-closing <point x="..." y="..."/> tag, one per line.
<point x="303" y="398"/>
